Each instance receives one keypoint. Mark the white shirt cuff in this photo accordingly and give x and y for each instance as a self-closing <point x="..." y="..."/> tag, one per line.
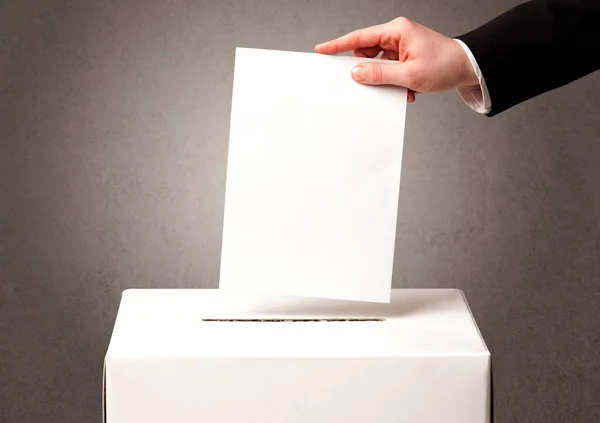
<point x="477" y="97"/>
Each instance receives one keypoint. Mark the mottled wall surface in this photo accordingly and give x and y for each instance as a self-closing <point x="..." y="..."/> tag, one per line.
<point x="114" y="120"/>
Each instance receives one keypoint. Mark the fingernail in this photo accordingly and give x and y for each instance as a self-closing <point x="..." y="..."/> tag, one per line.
<point x="358" y="73"/>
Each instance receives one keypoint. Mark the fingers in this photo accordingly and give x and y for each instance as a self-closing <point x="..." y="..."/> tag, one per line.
<point x="372" y="52"/>
<point x="362" y="38"/>
<point x="411" y="96"/>
<point x="390" y="55"/>
<point x="383" y="74"/>
<point x="369" y="52"/>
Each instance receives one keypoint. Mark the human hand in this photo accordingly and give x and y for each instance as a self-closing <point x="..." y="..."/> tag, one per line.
<point x="427" y="60"/>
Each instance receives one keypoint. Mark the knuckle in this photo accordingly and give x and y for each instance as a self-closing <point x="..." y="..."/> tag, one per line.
<point x="402" y="22"/>
<point x="375" y="73"/>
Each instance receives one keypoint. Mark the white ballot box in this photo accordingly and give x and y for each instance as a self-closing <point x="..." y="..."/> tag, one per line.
<point x="212" y="356"/>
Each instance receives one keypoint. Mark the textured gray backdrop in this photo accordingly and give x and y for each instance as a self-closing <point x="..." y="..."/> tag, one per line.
<point x="113" y="140"/>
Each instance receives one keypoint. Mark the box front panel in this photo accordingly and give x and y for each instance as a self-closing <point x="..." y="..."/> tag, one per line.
<point x="299" y="390"/>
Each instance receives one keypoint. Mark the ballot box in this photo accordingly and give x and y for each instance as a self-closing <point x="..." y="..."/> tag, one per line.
<point x="213" y="356"/>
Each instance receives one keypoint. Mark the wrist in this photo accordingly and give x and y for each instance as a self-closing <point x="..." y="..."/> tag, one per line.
<point x="467" y="73"/>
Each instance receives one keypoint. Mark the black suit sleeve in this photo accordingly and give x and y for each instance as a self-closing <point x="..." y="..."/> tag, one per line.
<point x="536" y="47"/>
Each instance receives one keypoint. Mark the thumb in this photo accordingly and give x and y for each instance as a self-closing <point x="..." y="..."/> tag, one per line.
<point x="381" y="74"/>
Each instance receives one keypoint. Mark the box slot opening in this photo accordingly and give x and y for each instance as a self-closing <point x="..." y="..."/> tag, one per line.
<point x="300" y="320"/>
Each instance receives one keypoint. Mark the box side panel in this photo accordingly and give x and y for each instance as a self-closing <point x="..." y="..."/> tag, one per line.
<point x="104" y="393"/>
<point x="491" y="394"/>
<point x="295" y="390"/>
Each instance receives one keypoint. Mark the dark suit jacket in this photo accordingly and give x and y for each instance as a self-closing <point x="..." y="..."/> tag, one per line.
<point x="536" y="47"/>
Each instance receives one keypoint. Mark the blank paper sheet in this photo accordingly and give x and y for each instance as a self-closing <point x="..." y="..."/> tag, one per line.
<point x="313" y="178"/>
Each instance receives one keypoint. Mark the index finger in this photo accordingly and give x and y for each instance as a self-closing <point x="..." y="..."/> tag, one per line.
<point x="361" y="38"/>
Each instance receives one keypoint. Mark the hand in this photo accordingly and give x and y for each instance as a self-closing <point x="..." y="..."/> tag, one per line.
<point x="428" y="60"/>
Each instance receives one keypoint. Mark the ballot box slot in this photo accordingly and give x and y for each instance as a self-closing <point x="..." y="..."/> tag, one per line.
<point x="297" y="320"/>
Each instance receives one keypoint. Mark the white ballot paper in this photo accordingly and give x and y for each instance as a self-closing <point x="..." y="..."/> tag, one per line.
<point x="313" y="178"/>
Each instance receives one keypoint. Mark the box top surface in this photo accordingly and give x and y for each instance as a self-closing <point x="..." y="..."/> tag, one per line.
<point x="216" y="323"/>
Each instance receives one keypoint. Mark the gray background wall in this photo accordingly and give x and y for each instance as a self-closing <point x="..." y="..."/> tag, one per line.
<point x="113" y="140"/>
